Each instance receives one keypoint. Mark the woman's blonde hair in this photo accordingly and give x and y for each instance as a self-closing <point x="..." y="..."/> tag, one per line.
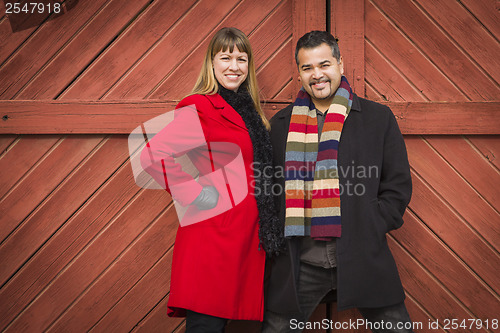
<point x="224" y="39"/>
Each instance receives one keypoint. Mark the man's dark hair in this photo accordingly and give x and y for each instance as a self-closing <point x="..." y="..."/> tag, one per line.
<point x="316" y="38"/>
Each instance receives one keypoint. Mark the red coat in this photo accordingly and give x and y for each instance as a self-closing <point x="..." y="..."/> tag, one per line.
<point x="217" y="266"/>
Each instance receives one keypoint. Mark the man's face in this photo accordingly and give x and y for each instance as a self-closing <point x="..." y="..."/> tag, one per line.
<point x="320" y="73"/>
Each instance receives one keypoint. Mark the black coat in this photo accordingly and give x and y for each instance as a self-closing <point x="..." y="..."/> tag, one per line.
<point x="373" y="164"/>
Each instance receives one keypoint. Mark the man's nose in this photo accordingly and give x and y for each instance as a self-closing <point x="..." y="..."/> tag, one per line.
<point x="317" y="73"/>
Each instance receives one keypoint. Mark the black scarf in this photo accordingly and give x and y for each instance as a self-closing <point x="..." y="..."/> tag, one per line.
<point x="270" y="230"/>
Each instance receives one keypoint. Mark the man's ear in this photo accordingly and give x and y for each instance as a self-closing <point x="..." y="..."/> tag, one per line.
<point x="341" y="64"/>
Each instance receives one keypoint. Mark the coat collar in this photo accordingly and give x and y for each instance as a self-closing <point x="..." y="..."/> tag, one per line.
<point x="226" y="110"/>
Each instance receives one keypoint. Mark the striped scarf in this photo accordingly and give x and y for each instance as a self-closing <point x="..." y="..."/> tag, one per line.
<point x="312" y="179"/>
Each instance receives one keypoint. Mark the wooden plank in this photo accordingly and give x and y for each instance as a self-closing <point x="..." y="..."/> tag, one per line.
<point x="458" y="67"/>
<point x="429" y="292"/>
<point x="67" y="243"/>
<point x="181" y="328"/>
<point x="48" y="39"/>
<point x="456" y="232"/>
<point x="489" y="147"/>
<point x="286" y="92"/>
<point x="436" y="257"/>
<point x="127" y="289"/>
<point x="58" y="117"/>
<point x="157" y="320"/>
<point x="91" y="262"/>
<point x="5" y="142"/>
<point x="418" y="315"/>
<point x="404" y="55"/>
<point x="271" y="34"/>
<point x="10" y="41"/>
<point x="143" y="297"/>
<point x="307" y="15"/>
<point x="348" y="25"/>
<point x="100" y="117"/>
<point x="445" y="181"/>
<point x="389" y="81"/>
<point x="448" y="117"/>
<point x="119" y="57"/>
<point x="272" y="75"/>
<point x="486" y="12"/>
<point x="27" y="195"/>
<point x="372" y="93"/>
<point x="23" y="156"/>
<point x="452" y="17"/>
<point x="246" y="16"/>
<point x="471" y="165"/>
<point x="82" y="49"/>
<point x="169" y="53"/>
<point x="63" y="202"/>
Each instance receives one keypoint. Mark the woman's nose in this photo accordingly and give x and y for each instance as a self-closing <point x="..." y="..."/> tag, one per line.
<point x="233" y="65"/>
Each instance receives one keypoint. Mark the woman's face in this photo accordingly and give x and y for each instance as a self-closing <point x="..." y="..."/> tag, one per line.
<point x="231" y="68"/>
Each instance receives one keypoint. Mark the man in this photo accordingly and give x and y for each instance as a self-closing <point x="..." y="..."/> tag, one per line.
<point x="343" y="163"/>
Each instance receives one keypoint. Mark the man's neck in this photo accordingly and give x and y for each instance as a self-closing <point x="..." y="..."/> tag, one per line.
<point x="322" y="105"/>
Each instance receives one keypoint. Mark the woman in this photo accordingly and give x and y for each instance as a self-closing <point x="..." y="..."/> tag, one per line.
<point x="218" y="265"/>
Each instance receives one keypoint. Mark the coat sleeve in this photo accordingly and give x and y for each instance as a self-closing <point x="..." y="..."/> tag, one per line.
<point x="395" y="182"/>
<point x="175" y="140"/>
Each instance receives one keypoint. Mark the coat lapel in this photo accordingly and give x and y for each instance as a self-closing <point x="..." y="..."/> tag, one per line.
<point x="227" y="111"/>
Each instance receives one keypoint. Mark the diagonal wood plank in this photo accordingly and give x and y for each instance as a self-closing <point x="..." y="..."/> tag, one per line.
<point x="5" y="142"/>
<point x="67" y="243"/>
<point x="453" y="230"/>
<point x="475" y="40"/>
<point x="460" y="195"/>
<point x="437" y="258"/>
<point x="428" y="291"/>
<point x="486" y="12"/>
<point x="406" y="56"/>
<point x="434" y="44"/>
<point x="471" y="166"/>
<point x="119" y="57"/>
<point x="158" y="321"/>
<point x="60" y="205"/>
<point x="173" y="48"/>
<point x="10" y="41"/>
<point x="119" y="278"/>
<point x="81" y="50"/>
<point x="23" y="156"/>
<point x="489" y="147"/>
<point x="387" y="80"/>
<point x="88" y="266"/>
<point x="246" y="16"/>
<point x="143" y="297"/>
<point x="271" y="33"/>
<point x="39" y="183"/>
<point x="271" y="81"/>
<point x="42" y="46"/>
